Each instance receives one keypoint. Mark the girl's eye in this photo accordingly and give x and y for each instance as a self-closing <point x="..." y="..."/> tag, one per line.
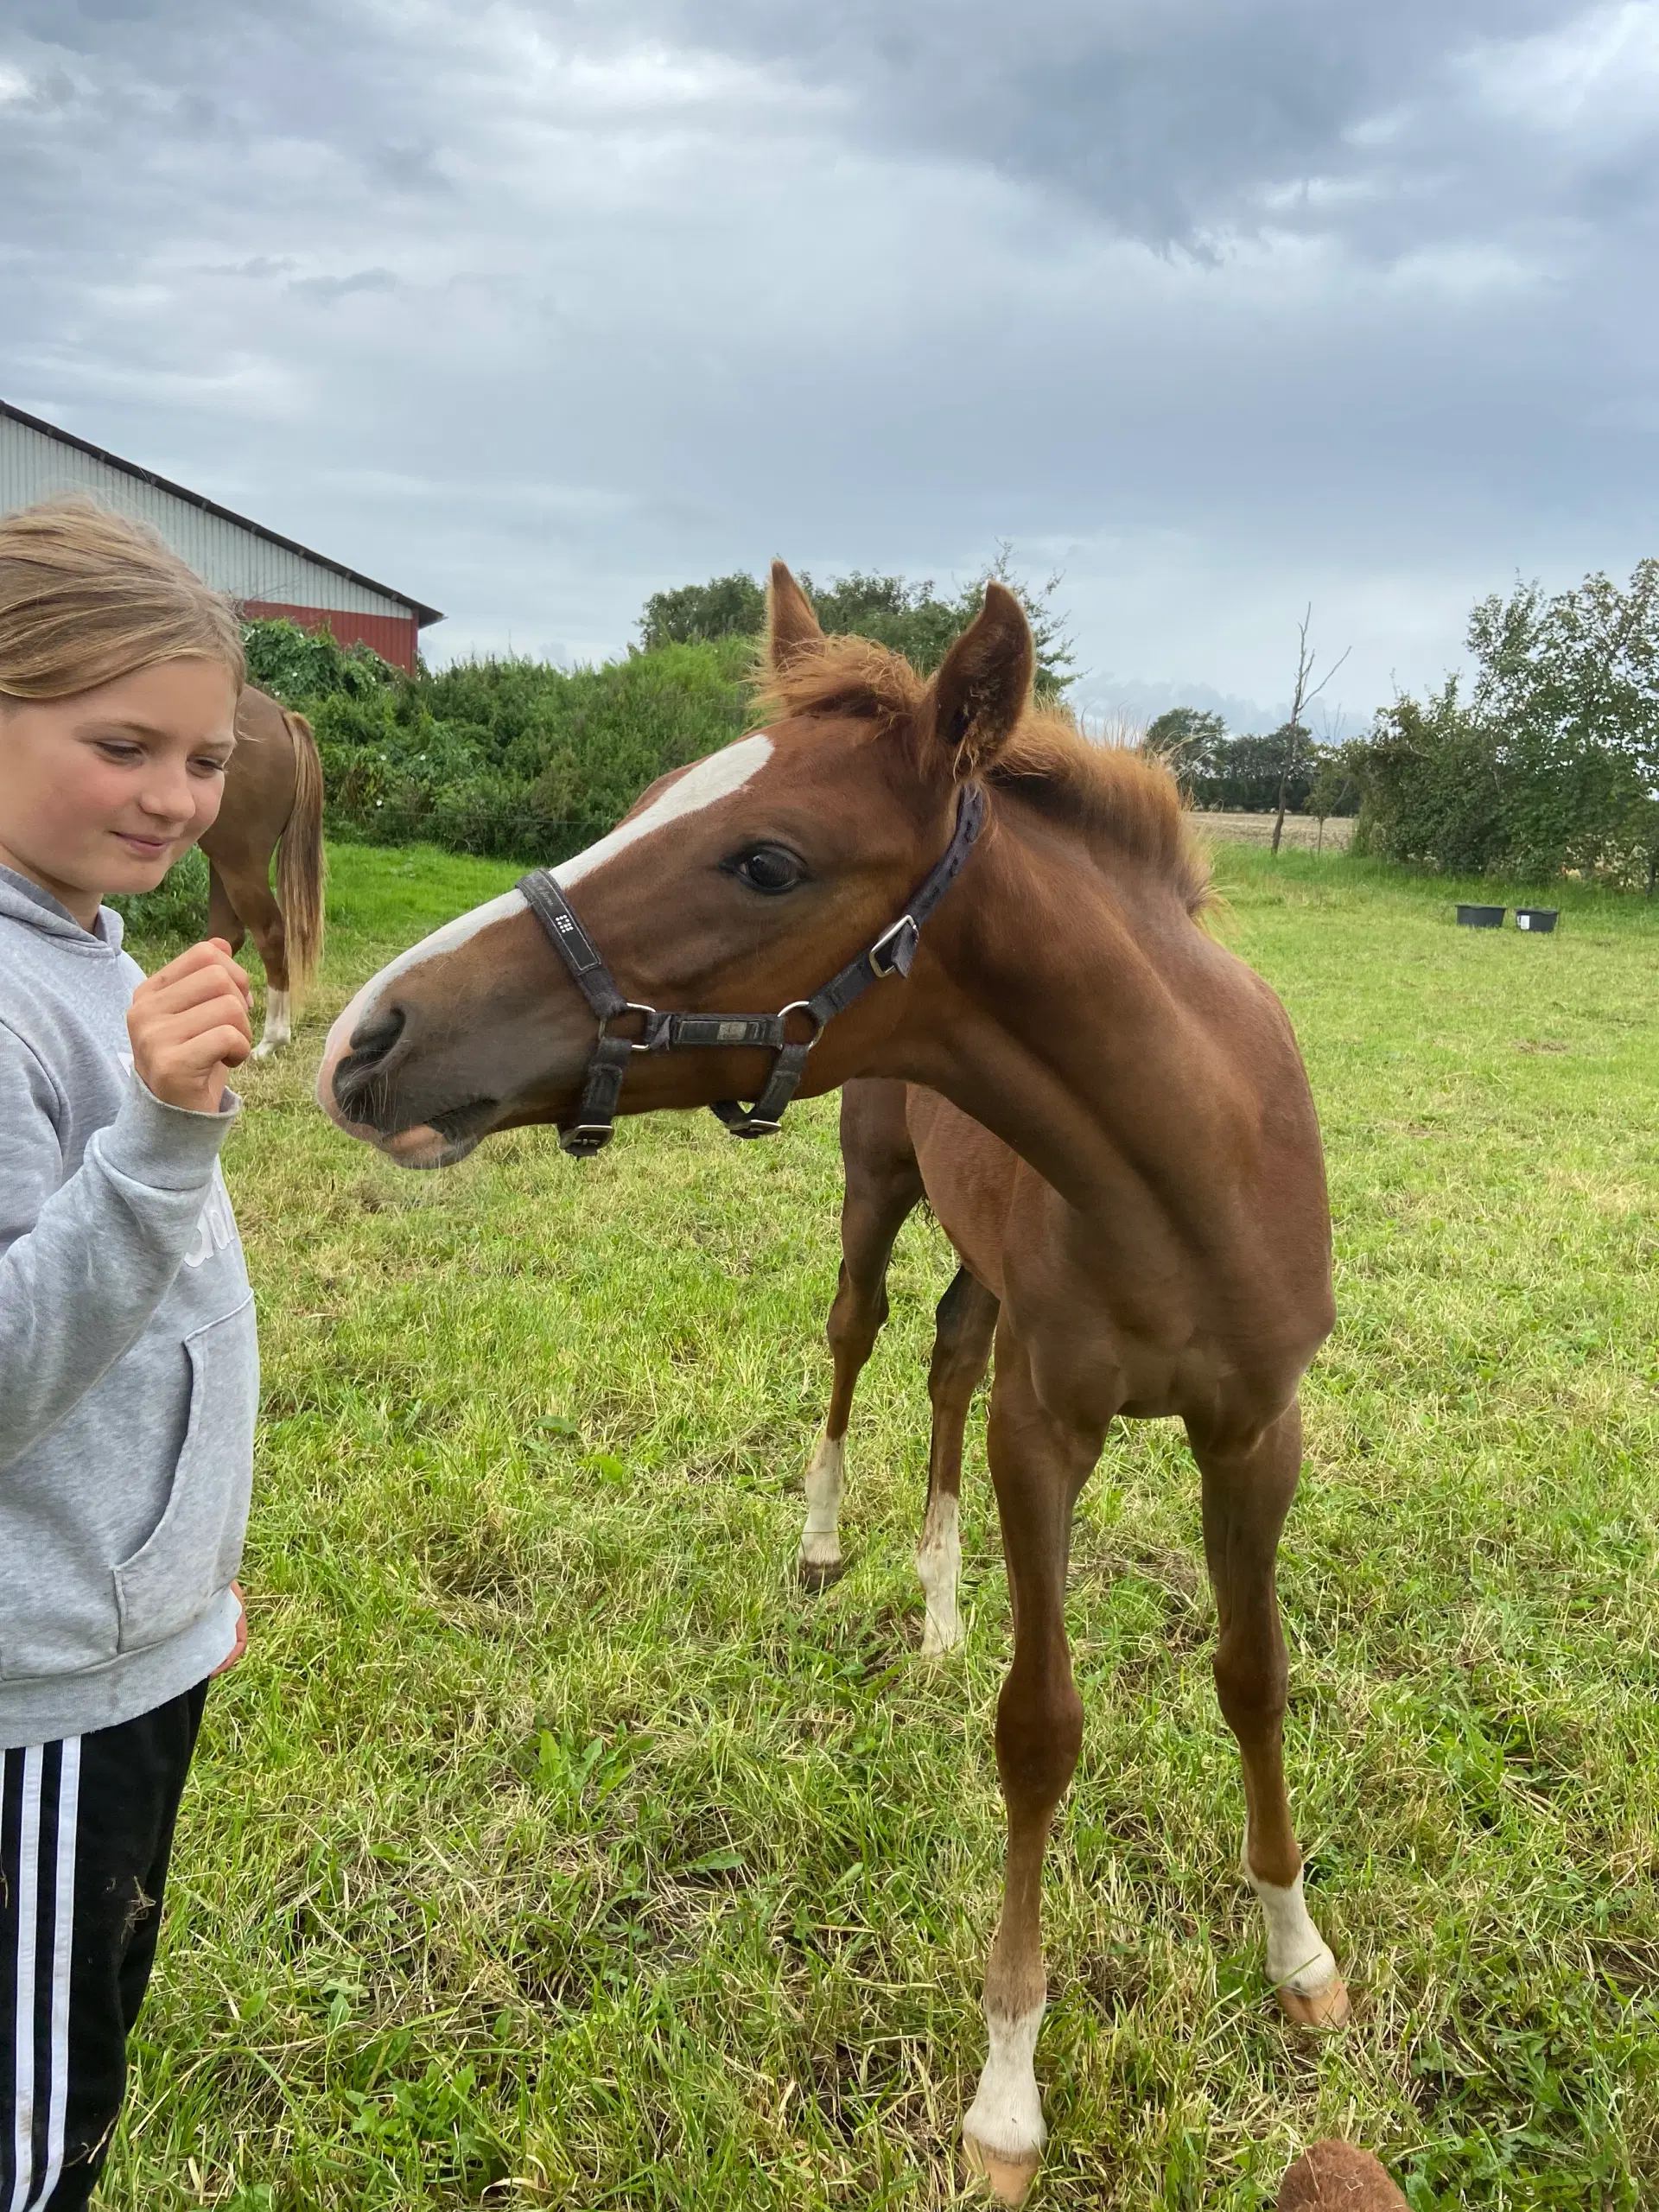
<point x="209" y="765"/>
<point x="112" y="750"/>
<point x="771" y="869"/>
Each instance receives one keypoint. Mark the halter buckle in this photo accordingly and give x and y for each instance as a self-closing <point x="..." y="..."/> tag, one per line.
<point x="894" y="950"/>
<point x="587" y="1138"/>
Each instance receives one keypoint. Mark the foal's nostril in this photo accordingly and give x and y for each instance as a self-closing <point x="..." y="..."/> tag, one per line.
<point x="360" y="1069"/>
<point x="372" y="1041"/>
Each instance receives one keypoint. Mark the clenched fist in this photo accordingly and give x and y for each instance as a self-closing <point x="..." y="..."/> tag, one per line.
<point x="189" y="1023"/>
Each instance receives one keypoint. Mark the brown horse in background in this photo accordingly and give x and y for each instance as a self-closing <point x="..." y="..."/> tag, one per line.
<point x="272" y="804"/>
<point x="1106" y="1110"/>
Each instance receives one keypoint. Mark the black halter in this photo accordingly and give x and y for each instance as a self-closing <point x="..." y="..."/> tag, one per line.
<point x="891" y="955"/>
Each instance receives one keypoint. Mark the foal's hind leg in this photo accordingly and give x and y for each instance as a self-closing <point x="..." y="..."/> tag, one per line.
<point x="883" y="1185"/>
<point x="230" y="919"/>
<point x="257" y="901"/>
<point x="1247" y="1493"/>
<point x="964" y="1328"/>
<point x="223" y="920"/>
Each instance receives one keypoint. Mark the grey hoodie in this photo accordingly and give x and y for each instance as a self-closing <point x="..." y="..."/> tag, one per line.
<point x="128" y="1367"/>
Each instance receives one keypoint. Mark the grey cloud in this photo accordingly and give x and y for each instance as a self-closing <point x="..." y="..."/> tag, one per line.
<point x="1171" y="119"/>
<point x="409" y="168"/>
<point x="1219" y="307"/>
<point x="261" y="266"/>
<point x="330" y="289"/>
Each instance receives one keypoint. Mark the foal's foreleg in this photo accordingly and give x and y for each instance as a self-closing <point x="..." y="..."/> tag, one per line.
<point x="1039" y="1464"/>
<point x="883" y="1185"/>
<point x="964" y="1326"/>
<point x="1247" y="1489"/>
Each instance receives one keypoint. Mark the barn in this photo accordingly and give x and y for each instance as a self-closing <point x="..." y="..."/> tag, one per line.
<point x="263" y="573"/>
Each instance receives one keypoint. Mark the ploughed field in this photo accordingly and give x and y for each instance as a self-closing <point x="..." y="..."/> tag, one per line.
<point x="551" y="1847"/>
<point x="1302" y="832"/>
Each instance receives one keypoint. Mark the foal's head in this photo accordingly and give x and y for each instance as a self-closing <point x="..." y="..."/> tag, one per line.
<point x="742" y="883"/>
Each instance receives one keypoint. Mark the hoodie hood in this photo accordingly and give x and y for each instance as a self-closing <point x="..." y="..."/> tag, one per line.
<point x="23" y="901"/>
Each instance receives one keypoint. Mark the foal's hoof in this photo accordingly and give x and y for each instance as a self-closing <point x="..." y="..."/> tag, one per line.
<point x="1326" y="2009"/>
<point x="1010" y="2179"/>
<point x="818" y="1575"/>
<point x="1338" y="2178"/>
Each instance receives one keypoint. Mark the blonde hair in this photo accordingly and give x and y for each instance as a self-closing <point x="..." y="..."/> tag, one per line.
<point x="87" y="596"/>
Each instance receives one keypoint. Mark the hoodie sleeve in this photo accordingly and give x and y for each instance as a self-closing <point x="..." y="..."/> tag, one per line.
<point x="85" y="1262"/>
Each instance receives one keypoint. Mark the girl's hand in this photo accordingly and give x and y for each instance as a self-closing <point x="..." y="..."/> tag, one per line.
<point x="189" y="1027"/>
<point x="241" y="1643"/>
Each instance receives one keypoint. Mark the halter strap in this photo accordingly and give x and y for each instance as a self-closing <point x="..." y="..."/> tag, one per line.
<point x="891" y="955"/>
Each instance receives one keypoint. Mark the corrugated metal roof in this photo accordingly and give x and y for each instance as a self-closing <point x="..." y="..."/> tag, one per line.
<point x="211" y="551"/>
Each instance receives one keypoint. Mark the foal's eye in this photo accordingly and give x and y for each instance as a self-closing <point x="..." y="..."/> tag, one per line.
<point x="767" y="867"/>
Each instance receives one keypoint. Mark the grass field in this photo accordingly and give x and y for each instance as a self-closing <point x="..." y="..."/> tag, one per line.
<point x="549" y="1848"/>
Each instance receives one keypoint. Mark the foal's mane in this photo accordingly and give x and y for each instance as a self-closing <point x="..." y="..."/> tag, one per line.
<point x="1108" y="790"/>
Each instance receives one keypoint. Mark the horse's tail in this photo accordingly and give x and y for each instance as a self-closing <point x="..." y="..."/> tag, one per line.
<point x="301" y="866"/>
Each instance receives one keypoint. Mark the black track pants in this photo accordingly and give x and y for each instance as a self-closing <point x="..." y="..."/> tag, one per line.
<point x="86" y="1827"/>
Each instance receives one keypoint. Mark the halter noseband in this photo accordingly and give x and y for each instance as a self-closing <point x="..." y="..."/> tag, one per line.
<point x="891" y="955"/>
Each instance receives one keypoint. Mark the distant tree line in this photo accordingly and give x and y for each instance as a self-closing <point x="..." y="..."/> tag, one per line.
<point x="1547" y="758"/>
<point x="524" y="760"/>
<point x="1242" y="775"/>
<point x="917" y="619"/>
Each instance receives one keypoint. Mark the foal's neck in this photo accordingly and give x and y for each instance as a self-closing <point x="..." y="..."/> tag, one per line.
<point x="1071" y="1004"/>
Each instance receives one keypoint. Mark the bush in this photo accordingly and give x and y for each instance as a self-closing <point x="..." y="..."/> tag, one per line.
<point x="295" y="664"/>
<point x="173" y="915"/>
<point x="1433" y="792"/>
<point x="1553" y="765"/>
<point x="508" y="757"/>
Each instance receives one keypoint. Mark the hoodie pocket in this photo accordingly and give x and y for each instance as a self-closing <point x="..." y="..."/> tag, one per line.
<point x="194" y="1549"/>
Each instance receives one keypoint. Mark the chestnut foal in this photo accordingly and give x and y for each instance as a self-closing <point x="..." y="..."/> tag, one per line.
<point x="1111" y="1122"/>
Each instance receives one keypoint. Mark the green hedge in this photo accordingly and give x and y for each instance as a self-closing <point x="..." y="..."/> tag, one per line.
<point x="509" y="757"/>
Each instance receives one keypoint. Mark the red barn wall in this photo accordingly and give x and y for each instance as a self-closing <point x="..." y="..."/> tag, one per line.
<point x="394" y="637"/>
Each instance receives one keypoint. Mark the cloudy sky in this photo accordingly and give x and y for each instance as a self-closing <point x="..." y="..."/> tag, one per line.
<point x="1220" y="307"/>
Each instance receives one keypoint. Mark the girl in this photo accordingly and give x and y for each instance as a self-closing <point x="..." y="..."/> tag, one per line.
<point x="128" y="1365"/>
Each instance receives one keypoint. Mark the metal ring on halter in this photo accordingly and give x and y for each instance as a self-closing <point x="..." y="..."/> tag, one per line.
<point x="804" y="1006"/>
<point x="631" y="1005"/>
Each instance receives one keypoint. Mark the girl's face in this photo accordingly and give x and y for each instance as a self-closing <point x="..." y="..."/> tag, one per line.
<point x="104" y="791"/>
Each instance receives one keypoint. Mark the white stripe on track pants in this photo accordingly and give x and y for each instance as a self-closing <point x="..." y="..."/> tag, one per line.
<point x="86" y="1829"/>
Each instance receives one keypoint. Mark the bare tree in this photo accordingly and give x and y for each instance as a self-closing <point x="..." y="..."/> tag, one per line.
<point x="1305" y="693"/>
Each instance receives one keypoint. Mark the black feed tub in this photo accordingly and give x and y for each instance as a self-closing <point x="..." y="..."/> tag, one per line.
<point x="1481" y="918"/>
<point x="1540" y="919"/>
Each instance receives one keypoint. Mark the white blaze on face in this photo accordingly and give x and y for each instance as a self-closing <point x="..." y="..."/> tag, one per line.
<point x="716" y="778"/>
<point x="449" y="938"/>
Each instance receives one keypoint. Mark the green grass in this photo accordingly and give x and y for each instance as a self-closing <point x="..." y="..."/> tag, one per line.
<point x="549" y="1848"/>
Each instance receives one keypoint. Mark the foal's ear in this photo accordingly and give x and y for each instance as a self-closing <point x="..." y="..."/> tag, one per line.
<point x="791" y="623"/>
<point x="982" y="690"/>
